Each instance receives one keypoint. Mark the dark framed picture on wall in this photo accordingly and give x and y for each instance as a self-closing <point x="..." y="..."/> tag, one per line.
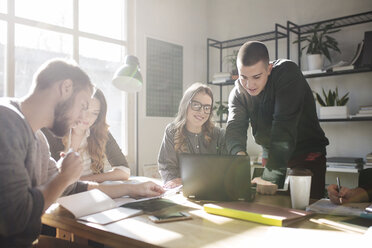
<point x="164" y="78"/>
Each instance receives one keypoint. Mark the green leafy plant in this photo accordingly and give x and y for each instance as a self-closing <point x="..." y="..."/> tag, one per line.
<point x="231" y="59"/>
<point x="332" y="98"/>
<point x="221" y="108"/>
<point x="319" y="41"/>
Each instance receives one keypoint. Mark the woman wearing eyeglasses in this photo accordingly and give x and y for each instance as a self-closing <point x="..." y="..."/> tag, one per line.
<point x="192" y="131"/>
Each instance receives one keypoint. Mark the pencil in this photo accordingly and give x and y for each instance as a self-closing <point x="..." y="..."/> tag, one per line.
<point x="339" y="188"/>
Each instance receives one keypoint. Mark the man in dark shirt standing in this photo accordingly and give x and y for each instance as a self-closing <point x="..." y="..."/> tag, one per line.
<point x="278" y="102"/>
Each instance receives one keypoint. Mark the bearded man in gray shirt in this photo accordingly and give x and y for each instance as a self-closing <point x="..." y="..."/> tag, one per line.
<point x="58" y="98"/>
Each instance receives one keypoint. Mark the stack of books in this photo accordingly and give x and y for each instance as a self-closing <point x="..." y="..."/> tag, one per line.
<point x="221" y="77"/>
<point x="368" y="163"/>
<point x="364" y="111"/>
<point x="345" y="164"/>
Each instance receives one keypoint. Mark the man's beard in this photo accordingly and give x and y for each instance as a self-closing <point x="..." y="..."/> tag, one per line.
<point x="61" y="123"/>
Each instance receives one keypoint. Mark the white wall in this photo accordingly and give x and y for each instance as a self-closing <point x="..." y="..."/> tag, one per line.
<point x="189" y="23"/>
<point x="178" y="22"/>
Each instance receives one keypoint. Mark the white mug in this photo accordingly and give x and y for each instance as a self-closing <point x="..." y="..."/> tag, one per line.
<point x="300" y="184"/>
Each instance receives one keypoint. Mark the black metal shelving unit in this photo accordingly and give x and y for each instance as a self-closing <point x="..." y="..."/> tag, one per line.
<point x="281" y="32"/>
<point x="339" y="22"/>
<point x="338" y="73"/>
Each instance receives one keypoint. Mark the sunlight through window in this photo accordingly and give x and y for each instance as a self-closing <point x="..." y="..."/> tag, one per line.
<point x="44" y="29"/>
<point x="54" y="12"/>
<point x="2" y="57"/>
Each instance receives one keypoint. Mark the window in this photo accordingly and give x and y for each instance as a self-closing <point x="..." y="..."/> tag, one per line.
<point x="2" y="57"/>
<point x="55" y="12"/>
<point x="45" y="29"/>
<point x="33" y="46"/>
<point x="100" y="60"/>
<point x="3" y="6"/>
<point x="107" y="23"/>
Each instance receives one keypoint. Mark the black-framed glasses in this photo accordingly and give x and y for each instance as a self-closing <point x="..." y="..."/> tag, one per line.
<point x="196" y="106"/>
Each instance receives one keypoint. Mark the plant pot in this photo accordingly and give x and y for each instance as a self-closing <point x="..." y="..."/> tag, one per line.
<point x="315" y="61"/>
<point x="334" y="112"/>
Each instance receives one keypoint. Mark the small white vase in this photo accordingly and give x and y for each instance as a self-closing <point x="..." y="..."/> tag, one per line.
<point x="315" y="61"/>
<point x="334" y="112"/>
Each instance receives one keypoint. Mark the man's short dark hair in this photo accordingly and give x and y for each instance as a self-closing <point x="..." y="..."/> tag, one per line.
<point x="252" y="52"/>
<point x="57" y="70"/>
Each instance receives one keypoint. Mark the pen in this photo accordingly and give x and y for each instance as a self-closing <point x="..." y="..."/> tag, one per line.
<point x="339" y="187"/>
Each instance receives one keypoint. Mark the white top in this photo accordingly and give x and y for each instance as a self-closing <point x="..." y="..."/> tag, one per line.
<point x="85" y="157"/>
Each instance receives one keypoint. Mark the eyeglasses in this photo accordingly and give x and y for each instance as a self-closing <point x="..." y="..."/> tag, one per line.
<point x="196" y="106"/>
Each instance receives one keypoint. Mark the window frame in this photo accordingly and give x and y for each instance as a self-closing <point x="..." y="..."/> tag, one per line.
<point x="11" y="20"/>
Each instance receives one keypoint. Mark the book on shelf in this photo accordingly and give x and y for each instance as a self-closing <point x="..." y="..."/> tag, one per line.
<point x="220" y="80"/>
<point x="343" y="68"/>
<point x="366" y="58"/>
<point x="366" y="107"/>
<point x="313" y="72"/>
<point x="325" y="206"/>
<point x="367" y="166"/>
<point x="365" y="111"/>
<point x="369" y="157"/>
<point x="221" y="77"/>
<point x="343" y="169"/>
<point x="352" y="64"/>
<point x="340" y="66"/>
<point x="344" y="165"/>
<point x="269" y="215"/>
<point x="345" y="160"/>
<point x="357" y="115"/>
<point x="356" y="59"/>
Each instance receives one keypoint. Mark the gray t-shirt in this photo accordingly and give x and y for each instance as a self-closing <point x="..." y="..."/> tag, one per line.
<point x="168" y="157"/>
<point x="24" y="164"/>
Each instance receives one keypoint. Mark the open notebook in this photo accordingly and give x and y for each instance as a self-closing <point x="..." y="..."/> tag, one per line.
<point x="97" y="207"/>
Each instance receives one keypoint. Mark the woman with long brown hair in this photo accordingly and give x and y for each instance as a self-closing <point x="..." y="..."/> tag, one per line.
<point x="101" y="155"/>
<point x="192" y="131"/>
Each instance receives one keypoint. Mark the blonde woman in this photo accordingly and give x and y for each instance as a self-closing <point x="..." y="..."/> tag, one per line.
<point x="101" y="155"/>
<point x="192" y="131"/>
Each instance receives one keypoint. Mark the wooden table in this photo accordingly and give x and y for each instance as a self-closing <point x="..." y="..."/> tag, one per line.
<point x="207" y="230"/>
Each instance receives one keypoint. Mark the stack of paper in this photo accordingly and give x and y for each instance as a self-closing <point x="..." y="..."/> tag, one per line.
<point x="221" y="77"/>
<point x="325" y="206"/>
<point x="364" y="111"/>
<point x="368" y="163"/>
<point x="346" y="163"/>
<point x="313" y="72"/>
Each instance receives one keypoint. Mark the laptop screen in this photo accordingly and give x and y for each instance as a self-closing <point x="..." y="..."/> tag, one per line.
<point x="216" y="177"/>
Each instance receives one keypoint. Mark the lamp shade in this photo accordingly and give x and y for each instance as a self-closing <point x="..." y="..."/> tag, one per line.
<point x="128" y="77"/>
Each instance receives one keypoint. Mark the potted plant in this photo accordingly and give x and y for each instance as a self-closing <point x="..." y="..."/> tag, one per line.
<point x="231" y="59"/>
<point x="221" y="109"/>
<point x="319" y="43"/>
<point x="332" y="107"/>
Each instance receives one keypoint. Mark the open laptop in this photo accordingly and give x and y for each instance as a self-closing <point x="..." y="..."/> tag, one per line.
<point x="258" y="170"/>
<point x="216" y="177"/>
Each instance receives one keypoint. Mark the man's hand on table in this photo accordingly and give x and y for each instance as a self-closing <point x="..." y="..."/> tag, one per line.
<point x="264" y="187"/>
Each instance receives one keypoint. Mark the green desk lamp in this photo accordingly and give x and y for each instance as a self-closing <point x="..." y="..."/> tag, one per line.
<point x="128" y="78"/>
